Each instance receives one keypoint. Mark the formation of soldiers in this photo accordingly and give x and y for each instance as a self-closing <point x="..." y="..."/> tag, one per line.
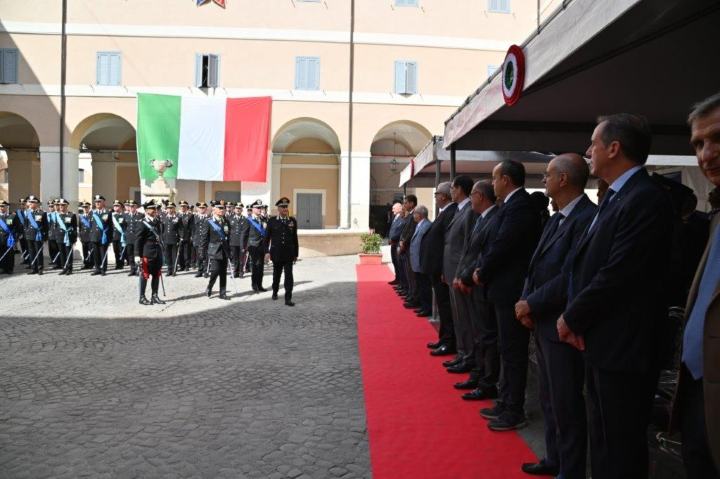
<point x="211" y="239"/>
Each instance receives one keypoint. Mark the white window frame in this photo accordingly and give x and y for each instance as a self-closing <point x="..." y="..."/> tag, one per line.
<point x="300" y="82"/>
<point x="403" y="87"/>
<point x="110" y="55"/>
<point x="3" y="74"/>
<point x="494" y="6"/>
<point x="407" y="3"/>
<point x="213" y="59"/>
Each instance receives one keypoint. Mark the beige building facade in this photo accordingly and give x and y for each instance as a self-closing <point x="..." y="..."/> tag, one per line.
<point x="413" y="62"/>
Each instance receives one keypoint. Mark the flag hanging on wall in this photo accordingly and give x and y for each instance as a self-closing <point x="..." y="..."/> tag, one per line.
<point x="220" y="2"/>
<point x="205" y="138"/>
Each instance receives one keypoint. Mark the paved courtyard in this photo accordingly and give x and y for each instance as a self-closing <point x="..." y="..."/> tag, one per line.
<point x="93" y="384"/>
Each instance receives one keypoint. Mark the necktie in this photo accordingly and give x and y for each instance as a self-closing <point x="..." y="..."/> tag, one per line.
<point x="554" y="225"/>
<point x="693" y="337"/>
<point x="603" y="205"/>
<point x="478" y="222"/>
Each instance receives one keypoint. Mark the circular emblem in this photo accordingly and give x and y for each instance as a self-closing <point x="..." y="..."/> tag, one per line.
<point x="513" y="75"/>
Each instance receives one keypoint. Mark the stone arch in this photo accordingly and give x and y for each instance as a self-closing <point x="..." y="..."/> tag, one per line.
<point x="19" y="158"/>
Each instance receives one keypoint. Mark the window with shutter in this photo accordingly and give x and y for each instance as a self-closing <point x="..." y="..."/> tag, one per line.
<point x="108" y="68"/>
<point x="213" y="70"/>
<point x="405" y="77"/>
<point x="307" y="73"/>
<point x="9" y="65"/>
<point x="207" y="70"/>
<point x="406" y="3"/>
<point x="499" y="6"/>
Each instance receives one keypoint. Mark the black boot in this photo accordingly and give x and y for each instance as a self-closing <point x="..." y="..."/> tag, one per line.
<point x="156" y="299"/>
<point x="144" y="301"/>
<point x="208" y="291"/>
<point x="223" y="294"/>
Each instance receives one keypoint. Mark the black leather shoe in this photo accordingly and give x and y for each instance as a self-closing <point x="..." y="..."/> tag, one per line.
<point x="145" y="301"/>
<point x="394" y="282"/>
<point x="443" y="350"/>
<point x="198" y="274"/>
<point x="507" y="421"/>
<point x="410" y="304"/>
<point x="423" y="314"/>
<point x="452" y="362"/>
<point x="289" y="303"/>
<point x="493" y="412"/>
<point x="261" y="289"/>
<point x="460" y="368"/>
<point x="40" y="272"/>
<point x="155" y="299"/>
<point x="223" y="295"/>
<point x="471" y="383"/>
<point x="208" y="291"/>
<point x="480" y="394"/>
<point x="539" y="469"/>
<point x="274" y="296"/>
<point x="432" y="345"/>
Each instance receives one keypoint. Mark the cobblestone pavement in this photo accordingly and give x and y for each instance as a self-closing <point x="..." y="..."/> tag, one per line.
<point x="94" y="385"/>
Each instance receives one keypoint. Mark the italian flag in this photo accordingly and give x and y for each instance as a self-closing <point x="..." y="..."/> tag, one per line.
<point x="205" y="138"/>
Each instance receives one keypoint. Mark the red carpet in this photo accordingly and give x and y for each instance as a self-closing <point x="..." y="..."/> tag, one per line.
<point x="418" y="426"/>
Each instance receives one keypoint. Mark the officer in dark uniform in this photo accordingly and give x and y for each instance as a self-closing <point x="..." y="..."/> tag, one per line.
<point x="257" y="245"/>
<point x="185" y="228"/>
<point x="238" y="240"/>
<point x="36" y="230"/>
<point x="21" y="216"/>
<point x="200" y="227"/>
<point x="84" y="226"/>
<point x="171" y="237"/>
<point x="66" y="233"/>
<point x="53" y="247"/>
<point x="8" y="231"/>
<point x="215" y="241"/>
<point x="100" y="234"/>
<point x="119" y="235"/>
<point x="282" y="236"/>
<point x="149" y="253"/>
<point x="133" y="220"/>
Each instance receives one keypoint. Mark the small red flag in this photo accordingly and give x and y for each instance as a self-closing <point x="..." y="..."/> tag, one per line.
<point x="220" y="2"/>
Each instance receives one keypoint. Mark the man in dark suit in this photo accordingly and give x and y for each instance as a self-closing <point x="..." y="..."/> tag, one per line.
<point x="560" y="366"/>
<point x="215" y="242"/>
<point x="432" y="262"/>
<point x="36" y="231"/>
<point x="502" y="270"/>
<point x="408" y="229"/>
<point x="394" y="239"/>
<point x="149" y="253"/>
<point x="457" y="234"/>
<point x="284" y="248"/>
<point x="483" y="378"/>
<point x="695" y="408"/>
<point x="616" y="296"/>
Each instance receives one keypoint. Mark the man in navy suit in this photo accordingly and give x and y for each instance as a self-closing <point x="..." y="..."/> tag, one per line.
<point x="424" y="288"/>
<point x="560" y="366"/>
<point x="617" y="295"/>
<point x="502" y="271"/>
<point x="394" y="239"/>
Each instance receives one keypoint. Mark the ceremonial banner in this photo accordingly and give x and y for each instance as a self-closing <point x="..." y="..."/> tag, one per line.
<point x="205" y="138"/>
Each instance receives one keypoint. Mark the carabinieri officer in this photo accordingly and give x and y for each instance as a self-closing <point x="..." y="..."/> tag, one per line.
<point x="8" y="226"/>
<point x="215" y="242"/>
<point x="36" y="229"/>
<point x="257" y="245"/>
<point x="149" y="254"/>
<point x="65" y="233"/>
<point x="282" y="236"/>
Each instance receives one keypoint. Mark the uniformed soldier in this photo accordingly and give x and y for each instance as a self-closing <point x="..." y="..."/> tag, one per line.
<point x="185" y="230"/>
<point x="100" y="235"/>
<point x="21" y="217"/>
<point x="282" y="237"/>
<point x="85" y="220"/>
<point x="133" y="220"/>
<point x="8" y="229"/>
<point x="36" y="230"/>
<point x="171" y="237"/>
<point x="200" y="227"/>
<point x="215" y="242"/>
<point x="53" y="247"/>
<point x="66" y="233"/>
<point x="257" y="245"/>
<point x="119" y="236"/>
<point x="238" y="240"/>
<point x="149" y="253"/>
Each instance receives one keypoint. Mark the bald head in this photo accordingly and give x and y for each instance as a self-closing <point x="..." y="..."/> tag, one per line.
<point x="574" y="167"/>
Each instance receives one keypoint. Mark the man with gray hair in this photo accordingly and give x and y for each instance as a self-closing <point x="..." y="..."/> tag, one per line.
<point x="394" y="238"/>
<point x="424" y="293"/>
<point x="432" y="263"/>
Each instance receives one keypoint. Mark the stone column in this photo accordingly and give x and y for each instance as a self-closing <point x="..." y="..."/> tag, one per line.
<point x="360" y="192"/>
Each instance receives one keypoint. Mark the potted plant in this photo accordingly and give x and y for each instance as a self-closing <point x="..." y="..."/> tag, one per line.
<point x="370" y="252"/>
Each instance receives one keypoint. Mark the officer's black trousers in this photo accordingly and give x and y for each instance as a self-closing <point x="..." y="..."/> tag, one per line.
<point x="87" y="247"/>
<point x="53" y="250"/>
<point x="100" y="256"/>
<point x="238" y="260"/>
<point x="8" y="262"/>
<point x="24" y="247"/>
<point x="257" y="260"/>
<point x="151" y="268"/>
<point x="119" y="252"/>
<point x="278" y="269"/>
<point x="130" y="255"/>
<point x="171" y="251"/>
<point x="66" y="260"/>
<point x="185" y="258"/>
<point x="218" y="268"/>
<point x="35" y="248"/>
<point x="202" y="263"/>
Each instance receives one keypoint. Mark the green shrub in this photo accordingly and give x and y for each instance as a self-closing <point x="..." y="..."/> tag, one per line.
<point x="371" y="242"/>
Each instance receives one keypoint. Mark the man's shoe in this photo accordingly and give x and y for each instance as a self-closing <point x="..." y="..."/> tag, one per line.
<point x="289" y="303"/>
<point x="208" y="291"/>
<point x="95" y="273"/>
<point x="434" y="345"/>
<point x="508" y="421"/>
<point x="394" y="282"/>
<point x="423" y="314"/>
<point x="274" y="296"/>
<point x="460" y="368"/>
<point x="155" y="299"/>
<point x="480" y="394"/>
<point x="131" y="273"/>
<point x="452" y="362"/>
<point x="261" y="289"/>
<point x="470" y="383"/>
<point x="223" y="295"/>
<point x="61" y="272"/>
<point x="145" y="301"/>
<point x="32" y="272"/>
<point x="68" y="272"/>
<point x="493" y="412"/>
<point x="443" y="350"/>
<point x="410" y="304"/>
<point x="40" y="272"/>
<point x="102" y="273"/>
<point x="540" y="469"/>
<point x="198" y="274"/>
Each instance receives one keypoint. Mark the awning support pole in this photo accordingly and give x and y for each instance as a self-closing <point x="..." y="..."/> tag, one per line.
<point x="452" y="161"/>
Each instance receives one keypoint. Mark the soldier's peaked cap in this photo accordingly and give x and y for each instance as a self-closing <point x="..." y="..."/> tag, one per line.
<point x="62" y="201"/>
<point x="32" y="199"/>
<point x="98" y="198"/>
<point x="284" y="201"/>
<point x="150" y="205"/>
<point x="257" y="204"/>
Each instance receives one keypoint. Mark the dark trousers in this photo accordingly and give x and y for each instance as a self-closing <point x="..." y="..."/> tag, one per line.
<point x="7" y="264"/>
<point x="185" y="258"/>
<point x="25" y="250"/>
<point x="424" y="292"/>
<point x="53" y="251"/>
<point x="35" y="248"/>
<point x="485" y="339"/>
<point x="410" y="278"/>
<point x="446" y="332"/>
<point x="100" y="256"/>
<point x="696" y="453"/>
<point x="88" y="260"/>
<point x="394" y="258"/>
<point x="237" y="256"/>
<point x="618" y="409"/>
<point x="402" y="272"/>
<point x="201" y="257"/>
<point x="218" y="269"/>
<point x="119" y="252"/>
<point x="513" y="339"/>
<point x="151" y="268"/>
<point x="279" y="268"/>
<point x="171" y="251"/>
<point x="461" y="321"/>
<point x="257" y="261"/>
<point x="130" y="255"/>
<point x="66" y="257"/>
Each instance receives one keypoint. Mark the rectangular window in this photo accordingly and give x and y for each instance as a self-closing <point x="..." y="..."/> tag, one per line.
<point x="405" y="77"/>
<point x="207" y="70"/>
<point x="108" y="68"/>
<point x="9" y="65"/>
<point x="491" y="69"/>
<point x="307" y="73"/>
<point x="406" y="3"/>
<point x="499" y="6"/>
<point x="81" y="175"/>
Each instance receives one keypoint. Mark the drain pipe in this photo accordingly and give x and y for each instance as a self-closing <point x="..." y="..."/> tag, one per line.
<point x="350" y="112"/>
<point x="63" y="77"/>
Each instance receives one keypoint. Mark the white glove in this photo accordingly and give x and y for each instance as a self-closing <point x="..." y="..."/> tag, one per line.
<point x="138" y="260"/>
